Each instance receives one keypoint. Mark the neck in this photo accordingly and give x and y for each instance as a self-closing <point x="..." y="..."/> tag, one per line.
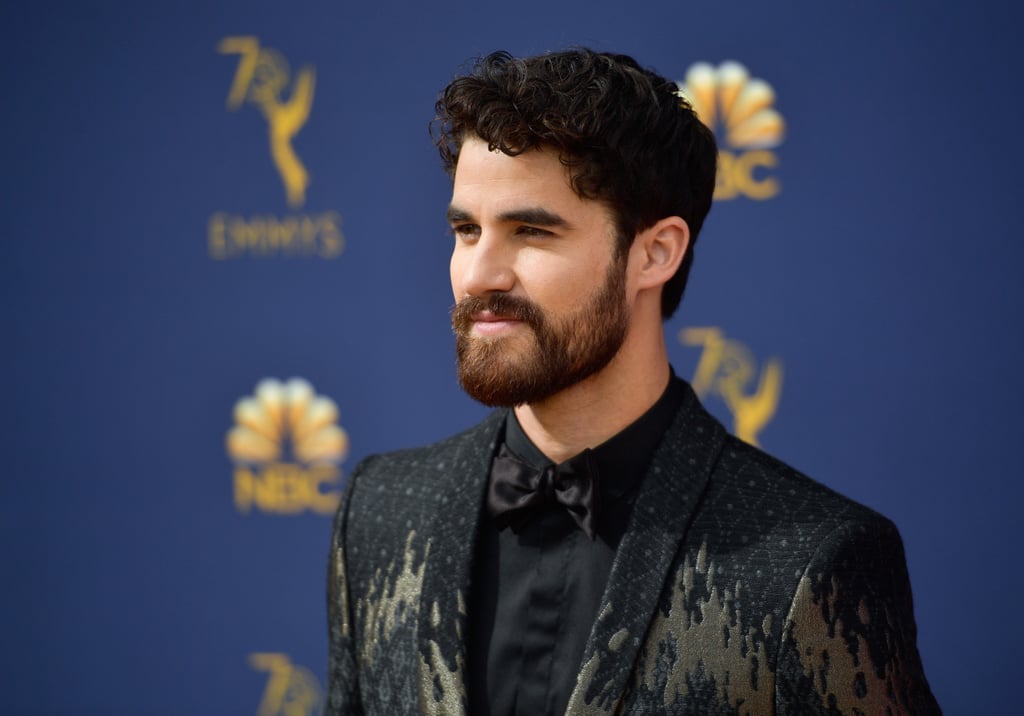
<point x="597" y="408"/>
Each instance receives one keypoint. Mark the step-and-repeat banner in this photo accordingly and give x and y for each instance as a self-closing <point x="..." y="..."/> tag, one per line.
<point x="224" y="282"/>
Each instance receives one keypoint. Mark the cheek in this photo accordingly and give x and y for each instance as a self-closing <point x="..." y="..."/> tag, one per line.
<point x="563" y="283"/>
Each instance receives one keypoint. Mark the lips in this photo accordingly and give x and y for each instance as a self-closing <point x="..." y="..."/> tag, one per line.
<point x="489" y="324"/>
<point x="493" y="315"/>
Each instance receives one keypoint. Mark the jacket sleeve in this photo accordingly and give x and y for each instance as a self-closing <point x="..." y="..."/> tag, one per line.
<point x="849" y="643"/>
<point x="343" y="697"/>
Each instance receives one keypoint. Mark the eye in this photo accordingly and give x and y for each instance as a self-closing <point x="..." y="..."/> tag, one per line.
<point x="465" y="232"/>
<point x="533" y="231"/>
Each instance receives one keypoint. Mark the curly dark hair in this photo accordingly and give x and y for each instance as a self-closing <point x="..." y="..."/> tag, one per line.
<point x="628" y="139"/>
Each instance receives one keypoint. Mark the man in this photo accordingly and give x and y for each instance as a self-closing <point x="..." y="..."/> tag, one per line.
<point x="600" y="544"/>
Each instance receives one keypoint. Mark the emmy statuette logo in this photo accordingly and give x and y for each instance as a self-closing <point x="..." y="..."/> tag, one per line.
<point x="263" y="79"/>
<point x="727" y="369"/>
<point x="286" y="447"/>
<point x="291" y="690"/>
<point x="738" y="109"/>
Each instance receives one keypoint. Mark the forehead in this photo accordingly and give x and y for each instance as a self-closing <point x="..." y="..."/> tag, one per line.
<point x="491" y="180"/>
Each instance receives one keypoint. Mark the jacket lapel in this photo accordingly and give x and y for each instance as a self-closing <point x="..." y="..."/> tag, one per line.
<point x="461" y="476"/>
<point x="668" y="499"/>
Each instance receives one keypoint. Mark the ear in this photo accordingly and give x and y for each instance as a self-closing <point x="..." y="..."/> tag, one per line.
<point x="658" y="250"/>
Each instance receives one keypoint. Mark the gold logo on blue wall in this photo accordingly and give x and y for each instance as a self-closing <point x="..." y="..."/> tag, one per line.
<point x="264" y="80"/>
<point x="727" y="369"/>
<point x="291" y="690"/>
<point x="286" y="446"/>
<point x="738" y="108"/>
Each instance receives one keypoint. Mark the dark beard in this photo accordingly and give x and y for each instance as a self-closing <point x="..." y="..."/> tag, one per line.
<point x="561" y="353"/>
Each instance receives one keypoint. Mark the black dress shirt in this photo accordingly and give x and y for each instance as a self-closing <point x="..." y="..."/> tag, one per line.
<point x="536" y="592"/>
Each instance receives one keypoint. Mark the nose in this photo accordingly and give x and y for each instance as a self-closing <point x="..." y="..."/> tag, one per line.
<point x="482" y="266"/>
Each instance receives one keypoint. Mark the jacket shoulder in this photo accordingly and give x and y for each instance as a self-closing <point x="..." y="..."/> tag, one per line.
<point x="811" y="584"/>
<point x="758" y="482"/>
<point x="381" y="469"/>
<point x="394" y="492"/>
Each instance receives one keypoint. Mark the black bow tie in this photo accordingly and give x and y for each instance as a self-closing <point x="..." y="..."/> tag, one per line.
<point x="519" y="491"/>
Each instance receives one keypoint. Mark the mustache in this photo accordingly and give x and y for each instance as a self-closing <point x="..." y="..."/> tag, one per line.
<point x="500" y="304"/>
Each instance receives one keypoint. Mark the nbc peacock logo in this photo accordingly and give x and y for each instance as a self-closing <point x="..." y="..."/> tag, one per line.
<point x="738" y="109"/>
<point x="286" y="446"/>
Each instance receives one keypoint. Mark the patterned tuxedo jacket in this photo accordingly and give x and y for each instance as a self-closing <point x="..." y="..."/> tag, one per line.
<point x="740" y="587"/>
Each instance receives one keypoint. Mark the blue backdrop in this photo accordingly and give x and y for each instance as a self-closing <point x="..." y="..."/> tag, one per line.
<point x="202" y="203"/>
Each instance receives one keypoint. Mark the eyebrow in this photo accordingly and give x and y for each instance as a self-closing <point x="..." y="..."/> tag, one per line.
<point x="527" y="215"/>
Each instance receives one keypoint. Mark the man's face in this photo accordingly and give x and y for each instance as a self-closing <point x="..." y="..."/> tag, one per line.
<point x="539" y="290"/>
